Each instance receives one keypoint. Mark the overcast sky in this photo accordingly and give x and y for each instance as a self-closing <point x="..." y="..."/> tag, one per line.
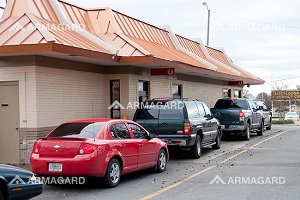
<point x="261" y="36"/>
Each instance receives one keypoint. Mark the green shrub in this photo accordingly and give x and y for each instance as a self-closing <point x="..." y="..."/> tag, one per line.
<point x="283" y="122"/>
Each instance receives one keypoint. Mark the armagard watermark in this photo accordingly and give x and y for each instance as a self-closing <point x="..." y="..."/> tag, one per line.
<point x="250" y="27"/>
<point x="60" y="180"/>
<point x="47" y="27"/>
<point x="147" y="105"/>
<point x="237" y="180"/>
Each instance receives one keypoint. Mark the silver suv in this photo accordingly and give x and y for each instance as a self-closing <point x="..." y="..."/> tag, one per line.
<point x="266" y="113"/>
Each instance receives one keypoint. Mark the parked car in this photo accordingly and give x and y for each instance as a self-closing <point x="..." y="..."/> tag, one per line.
<point x="105" y="148"/>
<point x="238" y="116"/>
<point x="18" y="183"/>
<point x="184" y="123"/>
<point x="292" y="116"/>
<point x="266" y="113"/>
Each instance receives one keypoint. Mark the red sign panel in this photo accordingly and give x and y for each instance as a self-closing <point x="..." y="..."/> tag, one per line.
<point x="162" y="72"/>
<point x="233" y="83"/>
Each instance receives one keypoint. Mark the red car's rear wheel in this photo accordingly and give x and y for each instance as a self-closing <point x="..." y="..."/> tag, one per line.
<point x="113" y="173"/>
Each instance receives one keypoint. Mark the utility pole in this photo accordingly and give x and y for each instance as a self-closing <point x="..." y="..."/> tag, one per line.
<point x="208" y="23"/>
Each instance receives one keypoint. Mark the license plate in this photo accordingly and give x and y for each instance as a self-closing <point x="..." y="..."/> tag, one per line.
<point x="222" y="127"/>
<point x="55" y="167"/>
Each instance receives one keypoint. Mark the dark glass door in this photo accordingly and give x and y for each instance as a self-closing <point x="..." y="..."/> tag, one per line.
<point x="115" y="99"/>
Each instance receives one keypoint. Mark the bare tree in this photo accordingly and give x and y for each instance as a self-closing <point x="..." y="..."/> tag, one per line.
<point x="280" y="105"/>
<point x="265" y="98"/>
<point x="247" y="94"/>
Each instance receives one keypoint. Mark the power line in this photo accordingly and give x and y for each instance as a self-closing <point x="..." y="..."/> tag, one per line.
<point x="261" y="22"/>
<point x="283" y="79"/>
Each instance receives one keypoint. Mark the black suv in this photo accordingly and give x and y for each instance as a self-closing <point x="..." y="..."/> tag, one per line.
<point x="185" y="123"/>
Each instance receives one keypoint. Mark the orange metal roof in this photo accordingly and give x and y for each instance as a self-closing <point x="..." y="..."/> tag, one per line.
<point x="220" y="56"/>
<point x="133" y="37"/>
<point x="105" y="31"/>
<point x="28" y="29"/>
<point x="196" y="49"/>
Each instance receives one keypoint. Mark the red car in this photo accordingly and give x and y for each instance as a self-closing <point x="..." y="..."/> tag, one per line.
<point x="104" y="148"/>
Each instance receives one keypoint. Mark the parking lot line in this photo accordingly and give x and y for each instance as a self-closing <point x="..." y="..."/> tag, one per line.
<point x="207" y="169"/>
<point x="177" y="184"/>
<point x="274" y="136"/>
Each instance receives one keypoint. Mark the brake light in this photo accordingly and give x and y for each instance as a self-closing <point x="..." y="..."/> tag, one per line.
<point x="242" y="116"/>
<point x="187" y="129"/>
<point x="86" y="149"/>
<point x="35" y="148"/>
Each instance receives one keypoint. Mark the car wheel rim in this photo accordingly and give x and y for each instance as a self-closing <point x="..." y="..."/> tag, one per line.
<point x="115" y="173"/>
<point x="162" y="160"/>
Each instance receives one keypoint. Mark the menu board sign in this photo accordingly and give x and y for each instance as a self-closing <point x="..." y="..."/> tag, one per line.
<point x="285" y="94"/>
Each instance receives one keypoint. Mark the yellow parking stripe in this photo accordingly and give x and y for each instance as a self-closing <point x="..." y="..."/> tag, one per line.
<point x="205" y="170"/>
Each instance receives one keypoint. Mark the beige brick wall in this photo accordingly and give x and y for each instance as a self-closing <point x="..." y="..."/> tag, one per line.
<point x="66" y="94"/>
<point x="161" y="86"/>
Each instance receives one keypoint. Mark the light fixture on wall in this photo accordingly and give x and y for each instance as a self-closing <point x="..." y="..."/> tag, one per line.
<point x="113" y="57"/>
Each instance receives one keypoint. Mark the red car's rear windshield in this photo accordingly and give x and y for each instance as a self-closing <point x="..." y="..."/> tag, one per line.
<point x="78" y="129"/>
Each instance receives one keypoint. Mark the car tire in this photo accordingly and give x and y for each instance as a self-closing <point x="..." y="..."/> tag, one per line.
<point x="217" y="140"/>
<point x="260" y="129"/>
<point x="113" y="174"/>
<point x="161" y="161"/>
<point x="1" y="195"/>
<point x="246" y="132"/>
<point x="269" y="125"/>
<point x="196" y="149"/>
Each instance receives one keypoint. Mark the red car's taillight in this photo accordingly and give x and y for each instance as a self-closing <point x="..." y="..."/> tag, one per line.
<point x="86" y="149"/>
<point x="35" y="148"/>
<point x="187" y="128"/>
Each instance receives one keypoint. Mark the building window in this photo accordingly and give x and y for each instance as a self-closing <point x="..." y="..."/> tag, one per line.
<point x="115" y="99"/>
<point x="238" y="93"/>
<point x="143" y="88"/>
<point x="226" y="93"/>
<point x="177" y="90"/>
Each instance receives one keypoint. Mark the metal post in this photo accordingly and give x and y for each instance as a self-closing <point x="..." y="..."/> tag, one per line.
<point x="208" y="25"/>
<point x="208" y="22"/>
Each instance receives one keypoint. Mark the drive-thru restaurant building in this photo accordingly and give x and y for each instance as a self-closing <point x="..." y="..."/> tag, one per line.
<point x="60" y="62"/>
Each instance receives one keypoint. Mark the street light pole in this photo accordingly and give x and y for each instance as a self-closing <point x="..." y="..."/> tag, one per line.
<point x="208" y="23"/>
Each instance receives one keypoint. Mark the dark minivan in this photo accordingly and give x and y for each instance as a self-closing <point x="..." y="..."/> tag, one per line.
<point x="185" y="123"/>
